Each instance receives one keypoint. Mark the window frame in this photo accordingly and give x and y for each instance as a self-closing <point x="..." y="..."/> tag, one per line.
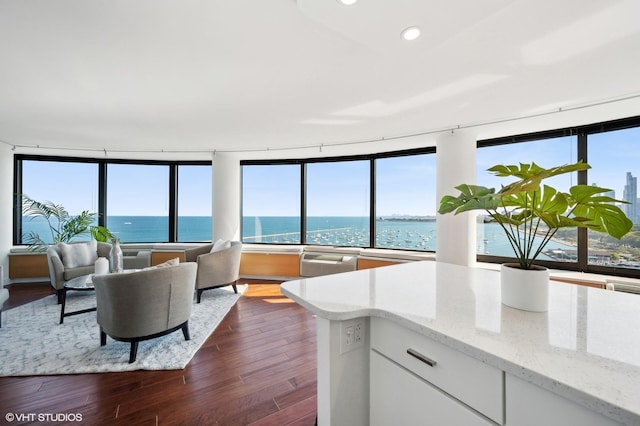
<point x="172" y="185"/>
<point x="582" y="133"/>
<point x="371" y="158"/>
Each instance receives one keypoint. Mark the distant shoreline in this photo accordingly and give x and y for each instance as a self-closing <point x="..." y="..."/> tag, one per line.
<point x="407" y="219"/>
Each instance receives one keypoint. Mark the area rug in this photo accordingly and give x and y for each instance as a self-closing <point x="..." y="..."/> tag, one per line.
<point x="33" y="343"/>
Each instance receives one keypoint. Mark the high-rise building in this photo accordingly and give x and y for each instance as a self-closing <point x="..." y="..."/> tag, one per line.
<point x="630" y="195"/>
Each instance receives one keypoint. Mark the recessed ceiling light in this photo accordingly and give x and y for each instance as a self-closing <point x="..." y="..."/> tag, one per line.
<point x="348" y="2"/>
<point x="411" y="33"/>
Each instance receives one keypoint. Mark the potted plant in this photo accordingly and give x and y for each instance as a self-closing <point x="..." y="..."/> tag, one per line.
<point x="62" y="226"/>
<point x="530" y="213"/>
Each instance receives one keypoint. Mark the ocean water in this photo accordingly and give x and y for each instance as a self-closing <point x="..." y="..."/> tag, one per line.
<point x="137" y="229"/>
<point x="390" y="233"/>
<point x="339" y="231"/>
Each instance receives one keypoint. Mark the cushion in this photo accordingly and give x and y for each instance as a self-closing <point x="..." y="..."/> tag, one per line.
<point x="171" y="262"/>
<point x="220" y="245"/>
<point x="78" y="254"/>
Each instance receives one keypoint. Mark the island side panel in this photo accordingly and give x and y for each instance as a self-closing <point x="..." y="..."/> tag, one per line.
<point x="343" y="376"/>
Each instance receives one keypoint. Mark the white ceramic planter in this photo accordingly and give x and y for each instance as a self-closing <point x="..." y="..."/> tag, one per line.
<point x="526" y="289"/>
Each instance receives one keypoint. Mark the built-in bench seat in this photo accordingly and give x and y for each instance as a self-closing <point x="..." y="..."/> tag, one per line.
<point x="270" y="260"/>
<point x="161" y="252"/>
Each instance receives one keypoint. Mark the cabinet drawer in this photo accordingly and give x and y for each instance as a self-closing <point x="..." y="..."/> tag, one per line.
<point x="400" y="398"/>
<point x="467" y="379"/>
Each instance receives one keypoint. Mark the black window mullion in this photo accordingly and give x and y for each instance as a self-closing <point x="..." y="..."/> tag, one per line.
<point x="372" y="202"/>
<point x="102" y="193"/>
<point x="303" y="203"/>
<point x="17" y="203"/>
<point x="173" y="203"/>
<point x="583" y="234"/>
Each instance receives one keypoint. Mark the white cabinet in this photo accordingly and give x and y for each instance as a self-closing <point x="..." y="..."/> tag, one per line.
<point x="420" y="381"/>
<point x="416" y="380"/>
<point x="398" y="397"/>
<point x="530" y="405"/>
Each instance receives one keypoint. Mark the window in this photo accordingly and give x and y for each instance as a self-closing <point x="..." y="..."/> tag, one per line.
<point x="138" y="202"/>
<point x="194" y="203"/>
<point x="338" y="203"/>
<point x="545" y="153"/>
<point x="145" y="201"/>
<point x="405" y="202"/>
<point x="271" y="204"/>
<point x="615" y="162"/>
<point x="73" y="185"/>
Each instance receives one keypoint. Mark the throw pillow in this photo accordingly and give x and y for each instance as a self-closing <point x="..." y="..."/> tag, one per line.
<point x="171" y="262"/>
<point x="78" y="254"/>
<point x="220" y="245"/>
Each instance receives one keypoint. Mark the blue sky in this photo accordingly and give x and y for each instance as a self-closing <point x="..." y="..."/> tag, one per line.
<point x="611" y="156"/>
<point x="406" y="185"/>
<point x="133" y="190"/>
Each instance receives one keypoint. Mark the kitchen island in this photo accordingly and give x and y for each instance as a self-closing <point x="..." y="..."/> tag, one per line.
<point x="431" y="342"/>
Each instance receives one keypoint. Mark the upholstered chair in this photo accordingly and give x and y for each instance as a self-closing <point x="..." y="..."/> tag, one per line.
<point x="142" y="305"/>
<point x="219" y="268"/>
<point x="67" y="261"/>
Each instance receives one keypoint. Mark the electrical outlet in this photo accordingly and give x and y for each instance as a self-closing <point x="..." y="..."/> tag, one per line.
<point x="352" y="334"/>
<point x="349" y="335"/>
<point x="357" y="332"/>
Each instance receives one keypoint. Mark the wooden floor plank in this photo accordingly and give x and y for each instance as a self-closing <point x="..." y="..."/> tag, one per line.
<point x="290" y="414"/>
<point x="258" y="367"/>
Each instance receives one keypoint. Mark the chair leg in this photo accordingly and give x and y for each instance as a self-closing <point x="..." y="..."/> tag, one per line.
<point x="235" y="288"/>
<point x="199" y="294"/>
<point x="103" y="338"/>
<point x="133" y="353"/>
<point x="185" y="331"/>
<point x="62" y="300"/>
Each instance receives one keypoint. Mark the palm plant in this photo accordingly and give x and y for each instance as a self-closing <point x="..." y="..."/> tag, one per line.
<point x="62" y="226"/>
<point x="531" y="213"/>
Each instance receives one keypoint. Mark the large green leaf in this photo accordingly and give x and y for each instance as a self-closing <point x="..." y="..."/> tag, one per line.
<point x="531" y="175"/>
<point x="100" y="233"/>
<point x="600" y="214"/>
<point x="472" y="197"/>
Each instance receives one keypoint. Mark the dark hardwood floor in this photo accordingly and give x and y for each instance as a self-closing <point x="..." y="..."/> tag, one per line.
<point x="258" y="368"/>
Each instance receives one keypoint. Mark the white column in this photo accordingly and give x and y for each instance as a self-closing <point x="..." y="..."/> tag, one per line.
<point x="226" y="197"/>
<point x="456" y="164"/>
<point x="6" y="206"/>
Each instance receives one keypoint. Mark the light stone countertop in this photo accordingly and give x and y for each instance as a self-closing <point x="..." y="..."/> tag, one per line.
<point x="586" y="348"/>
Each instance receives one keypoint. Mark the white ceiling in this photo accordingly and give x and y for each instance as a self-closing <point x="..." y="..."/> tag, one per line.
<point x="256" y="75"/>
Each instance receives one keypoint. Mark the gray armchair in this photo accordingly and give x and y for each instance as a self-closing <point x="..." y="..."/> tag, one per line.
<point x="219" y="269"/>
<point x="142" y="305"/>
<point x="59" y="273"/>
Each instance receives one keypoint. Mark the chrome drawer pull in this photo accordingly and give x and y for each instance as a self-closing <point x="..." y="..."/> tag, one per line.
<point x="418" y="355"/>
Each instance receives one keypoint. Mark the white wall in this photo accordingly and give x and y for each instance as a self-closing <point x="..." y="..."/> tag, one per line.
<point x="6" y="206"/>
<point x="226" y="197"/>
<point x="456" y="164"/>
